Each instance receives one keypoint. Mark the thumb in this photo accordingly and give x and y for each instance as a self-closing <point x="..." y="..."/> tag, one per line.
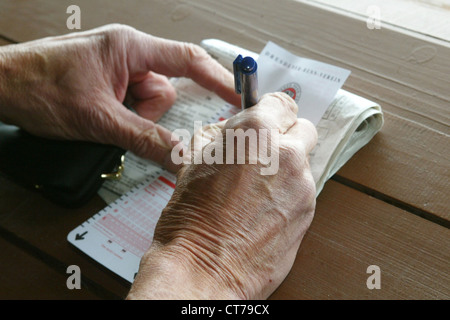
<point x="141" y="136"/>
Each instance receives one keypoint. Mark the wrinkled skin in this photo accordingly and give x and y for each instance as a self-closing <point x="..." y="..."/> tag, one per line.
<point x="73" y="86"/>
<point x="237" y="235"/>
<point x="228" y="231"/>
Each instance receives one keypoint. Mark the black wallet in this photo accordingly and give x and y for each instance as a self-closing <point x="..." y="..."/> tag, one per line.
<point x="68" y="173"/>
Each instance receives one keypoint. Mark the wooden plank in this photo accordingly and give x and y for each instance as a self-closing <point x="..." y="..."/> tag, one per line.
<point x="25" y="277"/>
<point x="430" y="17"/>
<point x="407" y="73"/>
<point x="352" y="231"/>
<point x="35" y="223"/>
<point x="405" y="158"/>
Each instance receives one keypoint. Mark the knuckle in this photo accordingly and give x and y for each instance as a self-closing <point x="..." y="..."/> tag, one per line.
<point x="281" y="99"/>
<point x="251" y="120"/>
<point x="309" y="190"/>
<point x="296" y="165"/>
<point x="194" y="55"/>
<point x="310" y="127"/>
<point x="114" y="28"/>
<point x="145" y="144"/>
<point x="309" y="182"/>
<point x="295" y="158"/>
<point x="169" y="89"/>
<point x="292" y="155"/>
<point x="194" y="52"/>
<point x="115" y="33"/>
<point x="170" y="96"/>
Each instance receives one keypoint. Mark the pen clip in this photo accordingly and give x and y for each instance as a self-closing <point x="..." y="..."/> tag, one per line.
<point x="237" y="73"/>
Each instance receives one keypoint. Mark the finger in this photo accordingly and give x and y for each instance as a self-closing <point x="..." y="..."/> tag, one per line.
<point x="273" y="111"/>
<point x="180" y="59"/>
<point x="201" y="138"/>
<point x="210" y="131"/>
<point x="151" y="85"/>
<point x="302" y="136"/>
<point x="153" y="96"/>
<point x="141" y="136"/>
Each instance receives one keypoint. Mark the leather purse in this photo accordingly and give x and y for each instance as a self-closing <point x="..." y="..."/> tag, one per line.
<point x="68" y="173"/>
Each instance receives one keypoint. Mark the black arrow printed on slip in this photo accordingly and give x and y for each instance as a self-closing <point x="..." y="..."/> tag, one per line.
<point x="80" y="236"/>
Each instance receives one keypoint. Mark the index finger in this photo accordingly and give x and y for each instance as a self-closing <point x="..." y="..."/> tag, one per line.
<point x="181" y="59"/>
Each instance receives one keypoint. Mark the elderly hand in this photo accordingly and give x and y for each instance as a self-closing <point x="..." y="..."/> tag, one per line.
<point x="74" y="86"/>
<point x="230" y="232"/>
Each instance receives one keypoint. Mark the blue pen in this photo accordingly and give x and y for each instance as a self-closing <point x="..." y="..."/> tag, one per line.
<point x="246" y="80"/>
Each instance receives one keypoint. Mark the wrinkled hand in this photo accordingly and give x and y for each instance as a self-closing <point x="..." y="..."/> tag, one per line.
<point x="228" y="231"/>
<point x="74" y="86"/>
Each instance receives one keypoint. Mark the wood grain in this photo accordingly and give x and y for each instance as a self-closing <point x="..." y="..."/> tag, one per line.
<point x="34" y="224"/>
<point x="352" y="231"/>
<point x="24" y="276"/>
<point x="430" y="17"/>
<point x="405" y="158"/>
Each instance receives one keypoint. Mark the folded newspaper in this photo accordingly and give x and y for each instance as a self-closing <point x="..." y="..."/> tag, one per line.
<point x="120" y="234"/>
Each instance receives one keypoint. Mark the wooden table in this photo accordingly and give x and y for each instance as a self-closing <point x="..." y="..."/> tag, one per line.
<point x="388" y="206"/>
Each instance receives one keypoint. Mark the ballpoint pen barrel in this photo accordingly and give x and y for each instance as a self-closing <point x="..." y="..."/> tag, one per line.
<point x="246" y="80"/>
<point x="249" y="88"/>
